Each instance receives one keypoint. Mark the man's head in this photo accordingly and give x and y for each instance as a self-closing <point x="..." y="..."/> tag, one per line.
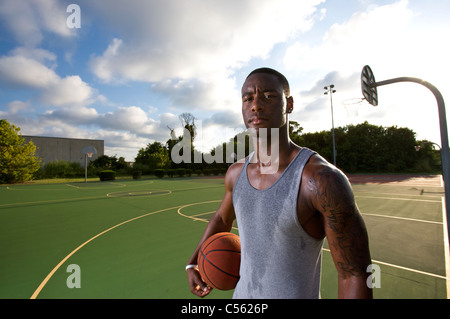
<point x="266" y="99"/>
<point x="277" y="74"/>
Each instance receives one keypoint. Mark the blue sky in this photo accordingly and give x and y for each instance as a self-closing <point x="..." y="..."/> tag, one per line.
<point x="134" y="66"/>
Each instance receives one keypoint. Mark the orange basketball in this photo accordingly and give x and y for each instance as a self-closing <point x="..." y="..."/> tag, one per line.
<point x="219" y="260"/>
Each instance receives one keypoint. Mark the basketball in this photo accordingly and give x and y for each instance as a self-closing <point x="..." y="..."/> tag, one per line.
<point x="219" y="260"/>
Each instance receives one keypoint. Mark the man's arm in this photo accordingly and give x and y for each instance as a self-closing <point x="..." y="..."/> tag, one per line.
<point x="222" y="221"/>
<point x="344" y="227"/>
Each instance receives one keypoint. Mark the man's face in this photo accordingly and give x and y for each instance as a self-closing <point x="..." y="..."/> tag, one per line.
<point x="264" y="102"/>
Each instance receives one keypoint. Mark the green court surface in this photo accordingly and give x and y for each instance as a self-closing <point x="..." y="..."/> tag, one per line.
<point x="132" y="238"/>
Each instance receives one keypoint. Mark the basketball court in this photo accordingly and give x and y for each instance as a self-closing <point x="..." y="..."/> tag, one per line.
<point x="132" y="239"/>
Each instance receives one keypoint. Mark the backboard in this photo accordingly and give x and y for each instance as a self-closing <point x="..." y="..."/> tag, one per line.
<point x="88" y="149"/>
<point x="368" y="90"/>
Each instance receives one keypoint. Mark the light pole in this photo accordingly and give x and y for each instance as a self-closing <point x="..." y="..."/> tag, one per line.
<point x="330" y="89"/>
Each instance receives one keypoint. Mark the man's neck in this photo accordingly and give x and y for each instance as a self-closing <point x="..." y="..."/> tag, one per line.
<point x="273" y="149"/>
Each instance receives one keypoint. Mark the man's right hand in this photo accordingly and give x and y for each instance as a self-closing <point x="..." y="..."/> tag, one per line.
<point x="196" y="284"/>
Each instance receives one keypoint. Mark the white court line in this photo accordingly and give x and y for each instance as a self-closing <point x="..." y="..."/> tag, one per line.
<point x="403" y="268"/>
<point x="446" y="240"/>
<point x="404" y="218"/>
<point x="397" y="198"/>
<point x="377" y="261"/>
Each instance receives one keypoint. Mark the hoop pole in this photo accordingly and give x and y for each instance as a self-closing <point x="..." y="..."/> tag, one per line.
<point x="85" y="168"/>
<point x="445" y="151"/>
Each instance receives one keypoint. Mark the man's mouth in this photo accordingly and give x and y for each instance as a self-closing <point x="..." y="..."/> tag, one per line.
<point x="257" y="120"/>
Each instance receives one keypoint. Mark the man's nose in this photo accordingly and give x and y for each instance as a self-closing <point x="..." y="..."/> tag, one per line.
<point x="257" y="105"/>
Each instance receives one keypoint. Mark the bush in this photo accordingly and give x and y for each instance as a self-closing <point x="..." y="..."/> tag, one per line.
<point x="159" y="173"/>
<point x="137" y="174"/>
<point x="171" y="172"/>
<point x="60" y="169"/>
<point x="107" y="175"/>
<point x="198" y="172"/>
<point x="181" y="172"/>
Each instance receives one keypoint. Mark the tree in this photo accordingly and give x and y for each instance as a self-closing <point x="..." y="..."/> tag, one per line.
<point x="111" y="162"/>
<point x="188" y="122"/>
<point x="18" y="162"/>
<point x="154" y="156"/>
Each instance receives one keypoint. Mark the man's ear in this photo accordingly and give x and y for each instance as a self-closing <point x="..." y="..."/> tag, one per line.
<point x="289" y="104"/>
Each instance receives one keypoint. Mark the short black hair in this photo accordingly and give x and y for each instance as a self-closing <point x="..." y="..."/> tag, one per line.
<point x="279" y="76"/>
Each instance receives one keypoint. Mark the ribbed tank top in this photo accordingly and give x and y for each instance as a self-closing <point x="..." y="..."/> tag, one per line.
<point x="279" y="260"/>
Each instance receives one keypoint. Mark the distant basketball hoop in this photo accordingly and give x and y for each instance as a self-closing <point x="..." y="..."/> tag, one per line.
<point x="88" y="152"/>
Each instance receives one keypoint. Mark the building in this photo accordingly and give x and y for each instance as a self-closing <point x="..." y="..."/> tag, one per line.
<point x="51" y="149"/>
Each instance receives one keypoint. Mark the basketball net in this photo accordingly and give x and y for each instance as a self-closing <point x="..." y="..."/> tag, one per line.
<point x="89" y="154"/>
<point x="352" y="106"/>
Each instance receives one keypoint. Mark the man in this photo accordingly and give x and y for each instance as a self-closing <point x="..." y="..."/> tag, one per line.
<point x="286" y="199"/>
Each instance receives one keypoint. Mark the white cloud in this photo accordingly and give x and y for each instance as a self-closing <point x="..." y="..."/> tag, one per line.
<point x="205" y="37"/>
<point x="25" y="72"/>
<point x="190" y="48"/>
<point x="28" y="20"/>
<point x="393" y="42"/>
<point x="18" y="71"/>
<point x="70" y="90"/>
<point x="73" y="115"/>
<point x="132" y="119"/>
<point x="374" y="35"/>
<point x="18" y="106"/>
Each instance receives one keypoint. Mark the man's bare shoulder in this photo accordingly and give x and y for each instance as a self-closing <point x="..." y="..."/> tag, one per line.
<point x="233" y="173"/>
<point x="324" y="180"/>
<point x="319" y="166"/>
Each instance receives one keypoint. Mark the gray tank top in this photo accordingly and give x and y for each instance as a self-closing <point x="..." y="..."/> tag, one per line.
<point x="278" y="258"/>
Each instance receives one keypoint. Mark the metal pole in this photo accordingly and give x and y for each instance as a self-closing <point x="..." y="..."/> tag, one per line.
<point x="85" y="168"/>
<point x="332" y="125"/>
<point x="330" y="89"/>
<point x="445" y="152"/>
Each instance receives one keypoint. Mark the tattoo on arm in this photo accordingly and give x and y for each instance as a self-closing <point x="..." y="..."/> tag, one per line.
<point x="346" y="234"/>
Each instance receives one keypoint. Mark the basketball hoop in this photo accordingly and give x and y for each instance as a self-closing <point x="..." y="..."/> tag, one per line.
<point x="352" y="106"/>
<point x="368" y="89"/>
<point x="87" y="151"/>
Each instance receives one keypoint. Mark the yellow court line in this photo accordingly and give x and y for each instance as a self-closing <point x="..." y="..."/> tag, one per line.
<point x="44" y="282"/>
<point x="51" y="201"/>
<point x="193" y="216"/>
<point x="47" y="278"/>
<point x="131" y="194"/>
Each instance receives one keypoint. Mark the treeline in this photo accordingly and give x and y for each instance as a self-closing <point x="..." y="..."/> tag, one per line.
<point x="65" y="169"/>
<point x="362" y="148"/>
<point x="367" y="148"/>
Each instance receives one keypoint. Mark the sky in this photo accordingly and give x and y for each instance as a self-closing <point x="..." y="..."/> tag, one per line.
<point x="127" y="71"/>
